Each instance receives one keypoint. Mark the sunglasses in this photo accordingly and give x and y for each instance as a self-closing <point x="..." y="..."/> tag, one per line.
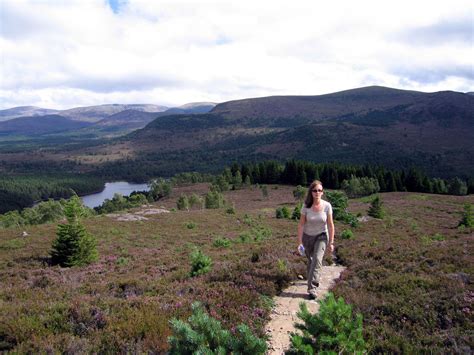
<point x="316" y="190"/>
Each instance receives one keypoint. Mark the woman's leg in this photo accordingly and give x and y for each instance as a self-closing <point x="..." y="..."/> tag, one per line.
<point x="316" y="264"/>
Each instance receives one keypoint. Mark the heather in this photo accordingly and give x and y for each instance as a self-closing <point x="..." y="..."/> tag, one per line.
<point x="408" y="274"/>
<point x="146" y="276"/>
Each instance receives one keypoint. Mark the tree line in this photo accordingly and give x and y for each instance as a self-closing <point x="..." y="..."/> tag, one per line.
<point x="337" y="176"/>
<point x="18" y="192"/>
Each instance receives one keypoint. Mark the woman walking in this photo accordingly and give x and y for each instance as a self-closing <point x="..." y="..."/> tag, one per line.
<point x="315" y="233"/>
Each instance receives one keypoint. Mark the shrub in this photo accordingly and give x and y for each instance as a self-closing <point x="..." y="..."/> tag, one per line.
<point x="221" y="183"/>
<point x="355" y="187"/>
<point x="296" y="212"/>
<point x="230" y="210"/>
<point x="339" y="203"/>
<point x="283" y="212"/>
<point x="237" y="180"/>
<point x="261" y="232"/>
<point x="203" y="334"/>
<point x="245" y="237"/>
<point x="375" y="209"/>
<point x="467" y="217"/>
<point x="214" y="199"/>
<point x="73" y="246"/>
<point x="333" y="330"/>
<point x="195" y="200"/>
<point x="31" y="216"/>
<point x="221" y="243"/>
<point x="299" y="192"/>
<point x="160" y="188"/>
<point x="182" y="203"/>
<point x="457" y="187"/>
<point x="12" y="219"/>
<point x="347" y="234"/>
<point x="282" y="267"/>
<point x="247" y="181"/>
<point x="191" y="225"/>
<point x="49" y="211"/>
<point x="248" y="220"/>
<point x="137" y="199"/>
<point x="200" y="263"/>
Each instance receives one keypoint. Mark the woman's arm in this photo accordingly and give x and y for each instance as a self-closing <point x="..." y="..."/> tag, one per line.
<point x="300" y="228"/>
<point x="331" y="232"/>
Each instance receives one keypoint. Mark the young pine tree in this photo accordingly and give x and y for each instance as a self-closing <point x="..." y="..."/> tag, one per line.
<point x="203" y="334"/>
<point x="73" y="246"/>
<point x="375" y="209"/>
<point x="467" y="217"/>
<point x="334" y="330"/>
<point x="183" y="203"/>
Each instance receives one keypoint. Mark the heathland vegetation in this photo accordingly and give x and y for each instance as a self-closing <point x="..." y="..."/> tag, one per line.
<point x="413" y="295"/>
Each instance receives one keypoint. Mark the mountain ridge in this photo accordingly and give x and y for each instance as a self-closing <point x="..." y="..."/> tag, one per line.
<point x="397" y="128"/>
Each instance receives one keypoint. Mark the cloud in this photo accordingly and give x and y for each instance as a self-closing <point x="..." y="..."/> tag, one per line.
<point x="83" y="52"/>
<point x="451" y="30"/>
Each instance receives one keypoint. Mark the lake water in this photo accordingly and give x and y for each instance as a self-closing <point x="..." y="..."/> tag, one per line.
<point x="122" y="187"/>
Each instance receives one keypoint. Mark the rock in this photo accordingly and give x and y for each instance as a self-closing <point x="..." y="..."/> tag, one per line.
<point x="300" y="277"/>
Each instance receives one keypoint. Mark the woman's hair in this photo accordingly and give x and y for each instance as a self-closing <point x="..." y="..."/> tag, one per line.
<point x="309" y="196"/>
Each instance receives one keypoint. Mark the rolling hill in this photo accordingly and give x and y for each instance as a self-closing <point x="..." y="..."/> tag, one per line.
<point x="39" y="125"/>
<point x="132" y="119"/>
<point x="376" y="125"/>
<point x="24" y="111"/>
<point x="97" y="113"/>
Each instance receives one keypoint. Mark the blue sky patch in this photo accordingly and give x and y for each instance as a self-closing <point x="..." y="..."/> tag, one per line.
<point x="115" y="5"/>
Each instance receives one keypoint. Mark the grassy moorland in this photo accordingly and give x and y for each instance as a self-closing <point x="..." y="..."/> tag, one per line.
<point x="409" y="274"/>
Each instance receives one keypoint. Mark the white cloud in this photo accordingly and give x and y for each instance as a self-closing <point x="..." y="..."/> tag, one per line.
<point x="60" y="54"/>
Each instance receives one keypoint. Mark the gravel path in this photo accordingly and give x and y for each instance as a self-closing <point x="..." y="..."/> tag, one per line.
<point x="287" y="304"/>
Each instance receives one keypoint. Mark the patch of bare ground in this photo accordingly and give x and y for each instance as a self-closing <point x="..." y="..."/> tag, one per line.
<point x="138" y="215"/>
<point x="283" y="317"/>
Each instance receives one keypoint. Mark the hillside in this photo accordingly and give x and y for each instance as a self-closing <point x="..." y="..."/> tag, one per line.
<point x="97" y="113"/>
<point x="24" y="111"/>
<point x="414" y="295"/>
<point x="374" y="125"/>
<point x="317" y="108"/>
<point x="132" y="119"/>
<point x="39" y="125"/>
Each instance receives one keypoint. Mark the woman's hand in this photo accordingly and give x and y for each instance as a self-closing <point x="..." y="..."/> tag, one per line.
<point x="331" y="247"/>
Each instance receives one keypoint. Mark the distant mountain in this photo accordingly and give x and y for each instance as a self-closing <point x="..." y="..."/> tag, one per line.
<point x="377" y="125"/>
<point x="35" y="126"/>
<point x="97" y="113"/>
<point x="24" y="111"/>
<point x="132" y="119"/>
<point x="194" y="107"/>
<point x="126" y="120"/>
<point x="317" y="108"/>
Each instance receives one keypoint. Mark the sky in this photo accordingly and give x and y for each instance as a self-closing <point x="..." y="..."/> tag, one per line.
<point x="66" y="53"/>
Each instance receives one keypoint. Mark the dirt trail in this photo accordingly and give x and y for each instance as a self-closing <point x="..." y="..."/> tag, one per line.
<point x="287" y="304"/>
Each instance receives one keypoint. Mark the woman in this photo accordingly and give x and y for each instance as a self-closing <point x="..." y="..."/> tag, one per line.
<point x="316" y="225"/>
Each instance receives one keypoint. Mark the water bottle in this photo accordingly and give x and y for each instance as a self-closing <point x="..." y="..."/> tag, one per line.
<point x="301" y="249"/>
